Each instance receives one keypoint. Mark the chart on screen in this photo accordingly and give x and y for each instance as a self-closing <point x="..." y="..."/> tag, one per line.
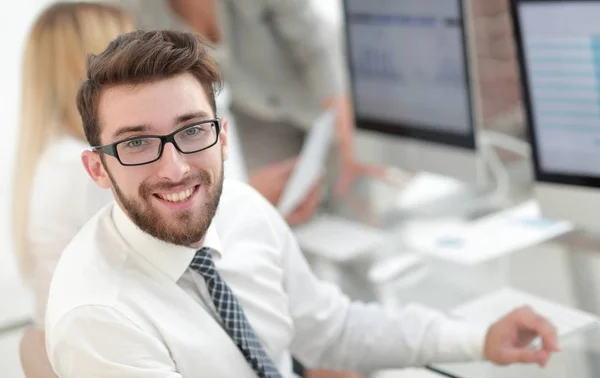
<point x="563" y="67"/>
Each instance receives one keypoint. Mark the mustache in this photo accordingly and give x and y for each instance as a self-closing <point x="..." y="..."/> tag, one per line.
<point x="200" y="178"/>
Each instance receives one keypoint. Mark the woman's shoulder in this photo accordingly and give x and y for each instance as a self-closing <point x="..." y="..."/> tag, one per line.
<point x="60" y="172"/>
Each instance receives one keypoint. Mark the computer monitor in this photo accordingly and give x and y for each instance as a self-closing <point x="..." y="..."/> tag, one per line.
<point x="414" y="86"/>
<point x="559" y="48"/>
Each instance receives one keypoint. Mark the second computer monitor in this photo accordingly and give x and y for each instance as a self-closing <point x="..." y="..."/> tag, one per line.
<point x="559" y="46"/>
<point x="414" y="90"/>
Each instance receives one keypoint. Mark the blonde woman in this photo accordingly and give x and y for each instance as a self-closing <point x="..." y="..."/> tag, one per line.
<point x="53" y="196"/>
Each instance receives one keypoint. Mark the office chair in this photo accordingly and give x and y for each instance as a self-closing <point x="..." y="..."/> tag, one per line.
<point x="32" y="352"/>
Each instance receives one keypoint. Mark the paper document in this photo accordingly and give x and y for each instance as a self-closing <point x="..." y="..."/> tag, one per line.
<point x="337" y="238"/>
<point x="311" y="163"/>
<point x="489" y="237"/>
<point x="487" y="309"/>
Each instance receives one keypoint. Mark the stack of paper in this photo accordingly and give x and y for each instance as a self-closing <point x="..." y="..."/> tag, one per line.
<point x="489" y="237"/>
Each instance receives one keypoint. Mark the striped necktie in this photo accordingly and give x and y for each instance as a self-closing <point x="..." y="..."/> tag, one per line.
<point x="232" y="315"/>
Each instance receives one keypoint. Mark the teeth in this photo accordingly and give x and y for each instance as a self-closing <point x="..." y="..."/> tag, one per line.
<point x="177" y="197"/>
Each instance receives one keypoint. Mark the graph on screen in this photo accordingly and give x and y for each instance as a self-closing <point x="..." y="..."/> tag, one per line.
<point x="377" y="64"/>
<point x="407" y="48"/>
<point x="408" y="63"/>
<point x="564" y="76"/>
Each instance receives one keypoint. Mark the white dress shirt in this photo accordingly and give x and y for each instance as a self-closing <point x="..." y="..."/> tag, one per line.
<point x="125" y="304"/>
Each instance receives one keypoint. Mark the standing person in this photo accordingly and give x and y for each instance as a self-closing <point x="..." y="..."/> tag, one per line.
<point x="189" y="275"/>
<point x="283" y="63"/>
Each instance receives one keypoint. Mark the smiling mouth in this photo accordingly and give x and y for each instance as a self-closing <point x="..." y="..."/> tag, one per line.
<point x="177" y="197"/>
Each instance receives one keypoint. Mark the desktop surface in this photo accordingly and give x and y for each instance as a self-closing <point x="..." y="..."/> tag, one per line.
<point x="566" y="276"/>
<point x="551" y="272"/>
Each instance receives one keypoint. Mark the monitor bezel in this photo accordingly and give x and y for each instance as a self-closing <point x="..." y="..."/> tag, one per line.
<point x="540" y="174"/>
<point x="413" y="131"/>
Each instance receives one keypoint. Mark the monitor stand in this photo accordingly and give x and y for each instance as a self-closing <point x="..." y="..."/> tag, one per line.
<point x="434" y="196"/>
<point x="506" y="182"/>
<point x="431" y="197"/>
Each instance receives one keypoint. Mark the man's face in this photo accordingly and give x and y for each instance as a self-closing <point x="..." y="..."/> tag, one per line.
<point x="175" y="197"/>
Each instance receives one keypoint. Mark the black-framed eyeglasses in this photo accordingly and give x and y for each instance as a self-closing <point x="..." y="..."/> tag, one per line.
<point x="146" y="149"/>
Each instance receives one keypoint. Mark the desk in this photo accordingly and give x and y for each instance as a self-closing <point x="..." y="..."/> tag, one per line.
<point x="551" y="270"/>
<point x="564" y="276"/>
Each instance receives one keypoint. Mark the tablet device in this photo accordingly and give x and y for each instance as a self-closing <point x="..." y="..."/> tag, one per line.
<point x="311" y="163"/>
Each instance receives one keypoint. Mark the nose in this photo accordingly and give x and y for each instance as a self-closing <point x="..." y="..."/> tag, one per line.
<point x="173" y="165"/>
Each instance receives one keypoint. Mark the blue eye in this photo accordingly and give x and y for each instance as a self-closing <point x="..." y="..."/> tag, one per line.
<point x="192" y="131"/>
<point x="135" y="143"/>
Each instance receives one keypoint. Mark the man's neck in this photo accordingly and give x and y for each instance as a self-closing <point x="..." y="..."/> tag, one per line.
<point x="198" y="244"/>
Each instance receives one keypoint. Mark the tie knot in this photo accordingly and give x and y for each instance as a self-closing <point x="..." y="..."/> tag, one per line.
<point x="203" y="263"/>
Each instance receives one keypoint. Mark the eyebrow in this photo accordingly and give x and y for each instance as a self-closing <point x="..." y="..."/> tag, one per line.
<point x="130" y="129"/>
<point x="193" y="115"/>
<point x="146" y="128"/>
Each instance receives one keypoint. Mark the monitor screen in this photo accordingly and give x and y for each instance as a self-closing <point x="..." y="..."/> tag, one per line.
<point x="409" y="68"/>
<point x="559" y="44"/>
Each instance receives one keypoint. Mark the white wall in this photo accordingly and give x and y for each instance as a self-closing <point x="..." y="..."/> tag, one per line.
<point x="15" y="20"/>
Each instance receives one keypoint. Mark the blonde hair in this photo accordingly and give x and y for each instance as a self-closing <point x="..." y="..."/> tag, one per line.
<point x="54" y="65"/>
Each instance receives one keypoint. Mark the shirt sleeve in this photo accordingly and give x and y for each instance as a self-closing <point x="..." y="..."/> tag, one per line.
<point x="119" y="347"/>
<point x="333" y="332"/>
<point x="314" y="43"/>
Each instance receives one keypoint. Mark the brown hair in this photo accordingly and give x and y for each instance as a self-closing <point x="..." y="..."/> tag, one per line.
<point x="56" y="49"/>
<point x="142" y="57"/>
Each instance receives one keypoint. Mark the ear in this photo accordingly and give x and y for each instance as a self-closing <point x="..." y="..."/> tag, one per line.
<point x="95" y="169"/>
<point x="224" y="137"/>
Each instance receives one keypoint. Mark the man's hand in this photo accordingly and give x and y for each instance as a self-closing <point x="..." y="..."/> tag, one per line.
<point x="270" y="181"/>
<point x="508" y="339"/>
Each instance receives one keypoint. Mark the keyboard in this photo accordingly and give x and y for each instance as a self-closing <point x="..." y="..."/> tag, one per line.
<point x="337" y="238"/>
<point x="492" y="306"/>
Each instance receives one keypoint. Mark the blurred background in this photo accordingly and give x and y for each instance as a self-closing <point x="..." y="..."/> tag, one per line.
<point x="442" y="196"/>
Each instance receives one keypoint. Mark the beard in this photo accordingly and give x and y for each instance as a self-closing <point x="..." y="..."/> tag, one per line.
<point x="185" y="227"/>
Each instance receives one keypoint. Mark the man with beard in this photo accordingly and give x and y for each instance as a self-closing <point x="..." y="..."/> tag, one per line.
<point x="188" y="276"/>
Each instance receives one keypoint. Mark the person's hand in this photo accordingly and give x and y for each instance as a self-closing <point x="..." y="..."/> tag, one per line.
<point x="508" y="339"/>
<point x="307" y="208"/>
<point x="352" y="170"/>
<point x="270" y="181"/>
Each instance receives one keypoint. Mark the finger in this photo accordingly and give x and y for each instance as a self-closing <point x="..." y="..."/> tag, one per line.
<point x="300" y="215"/>
<point x="373" y="171"/>
<point x="313" y="199"/>
<point x="543" y="357"/>
<point x="538" y="324"/>
<point x="307" y="208"/>
<point x="389" y="175"/>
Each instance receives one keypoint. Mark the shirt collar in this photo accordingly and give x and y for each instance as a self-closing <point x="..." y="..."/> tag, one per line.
<point x="171" y="259"/>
